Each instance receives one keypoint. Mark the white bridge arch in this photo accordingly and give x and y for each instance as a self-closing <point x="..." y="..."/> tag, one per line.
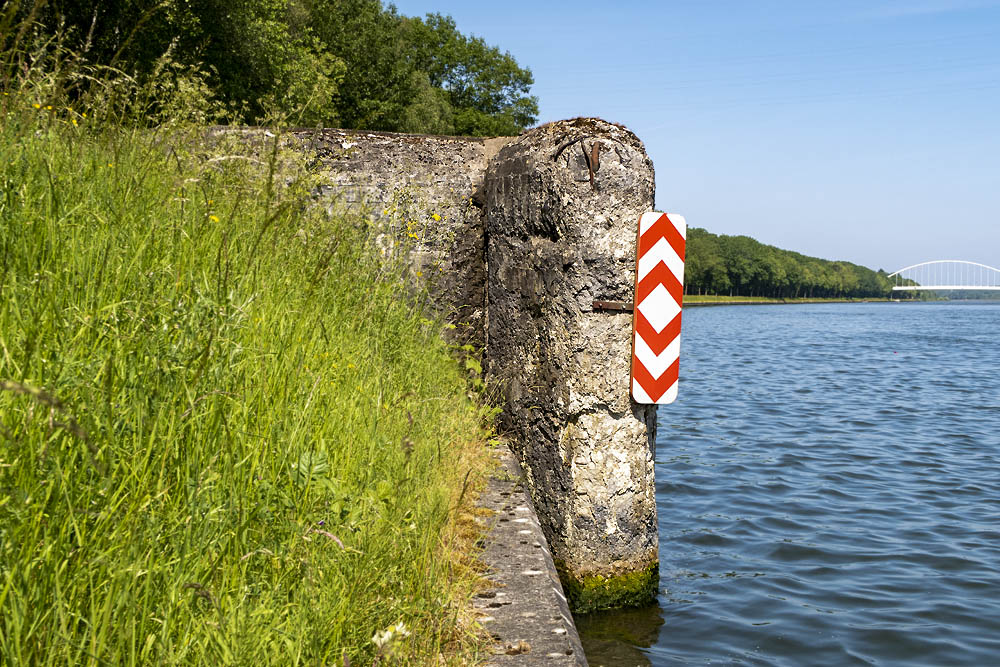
<point x="946" y="274"/>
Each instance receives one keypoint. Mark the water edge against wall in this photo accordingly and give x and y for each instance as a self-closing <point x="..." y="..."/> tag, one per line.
<point x="829" y="491"/>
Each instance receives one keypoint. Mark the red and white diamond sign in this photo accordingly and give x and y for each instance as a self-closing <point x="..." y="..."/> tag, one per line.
<point x="656" y="320"/>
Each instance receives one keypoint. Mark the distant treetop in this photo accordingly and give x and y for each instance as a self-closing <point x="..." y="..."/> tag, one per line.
<point x="743" y="266"/>
<point x="337" y="63"/>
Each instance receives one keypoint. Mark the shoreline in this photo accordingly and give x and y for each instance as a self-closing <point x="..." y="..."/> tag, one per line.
<point x="738" y="301"/>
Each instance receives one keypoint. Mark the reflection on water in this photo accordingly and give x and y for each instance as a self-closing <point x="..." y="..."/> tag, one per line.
<point x="828" y="490"/>
<point x="616" y="638"/>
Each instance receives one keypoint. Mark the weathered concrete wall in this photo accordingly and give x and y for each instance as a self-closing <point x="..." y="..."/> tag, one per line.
<point x="559" y="236"/>
<point x="515" y="238"/>
<point x="421" y="194"/>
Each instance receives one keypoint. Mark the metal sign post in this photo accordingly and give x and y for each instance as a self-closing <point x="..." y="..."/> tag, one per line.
<point x="656" y="319"/>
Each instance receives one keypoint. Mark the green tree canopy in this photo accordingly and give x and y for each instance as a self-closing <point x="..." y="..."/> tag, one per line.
<point x="486" y="88"/>
<point x="346" y="63"/>
<point x="742" y="266"/>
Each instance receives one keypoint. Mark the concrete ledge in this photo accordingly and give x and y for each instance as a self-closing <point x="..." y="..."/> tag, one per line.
<point x="526" y="611"/>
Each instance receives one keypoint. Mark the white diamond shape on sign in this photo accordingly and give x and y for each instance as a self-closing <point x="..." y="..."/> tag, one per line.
<point x="659" y="308"/>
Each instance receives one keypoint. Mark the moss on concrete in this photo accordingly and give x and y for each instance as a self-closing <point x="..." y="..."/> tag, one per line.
<point x="594" y="592"/>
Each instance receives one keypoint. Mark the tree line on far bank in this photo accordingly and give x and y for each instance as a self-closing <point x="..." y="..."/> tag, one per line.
<point x="742" y="266"/>
<point x="338" y="63"/>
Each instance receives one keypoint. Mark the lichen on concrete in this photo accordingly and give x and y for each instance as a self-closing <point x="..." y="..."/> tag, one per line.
<point x="418" y="192"/>
<point x="587" y="593"/>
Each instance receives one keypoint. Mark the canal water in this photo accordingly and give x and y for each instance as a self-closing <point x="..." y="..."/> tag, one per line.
<point x="828" y="489"/>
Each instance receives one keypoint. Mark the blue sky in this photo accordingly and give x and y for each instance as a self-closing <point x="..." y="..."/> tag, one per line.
<point x="865" y="131"/>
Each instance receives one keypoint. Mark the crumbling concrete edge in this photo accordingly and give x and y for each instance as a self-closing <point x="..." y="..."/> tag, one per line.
<point x="525" y="611"/>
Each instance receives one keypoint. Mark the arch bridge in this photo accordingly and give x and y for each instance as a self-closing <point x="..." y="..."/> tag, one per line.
<point x="946" y="274"/>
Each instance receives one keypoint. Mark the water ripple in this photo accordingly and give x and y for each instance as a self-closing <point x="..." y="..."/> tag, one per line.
<point x="829" y="490"/>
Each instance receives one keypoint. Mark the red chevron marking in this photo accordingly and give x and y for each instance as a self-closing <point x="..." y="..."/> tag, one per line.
<point x="657" y="342"/>
<point x="655" y="387"/>
<point x="665" y="229"/>
<point x="660" y="274"/>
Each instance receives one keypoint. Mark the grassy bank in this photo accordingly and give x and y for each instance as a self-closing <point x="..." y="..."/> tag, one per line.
<point x="227" y="433"/>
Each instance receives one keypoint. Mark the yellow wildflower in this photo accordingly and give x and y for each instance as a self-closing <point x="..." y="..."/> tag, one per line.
<point x="213" y="218"/>
<point x="437" y="218"/>
<point x="37" y="106"/>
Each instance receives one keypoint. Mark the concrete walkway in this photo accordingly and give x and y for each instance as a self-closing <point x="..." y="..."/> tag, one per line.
<point x="526" y="611"/>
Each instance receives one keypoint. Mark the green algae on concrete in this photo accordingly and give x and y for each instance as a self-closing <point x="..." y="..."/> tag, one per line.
<point x="595" y="592"/>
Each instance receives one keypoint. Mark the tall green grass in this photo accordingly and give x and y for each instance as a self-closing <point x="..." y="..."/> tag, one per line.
<point x="228" y="434"/>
